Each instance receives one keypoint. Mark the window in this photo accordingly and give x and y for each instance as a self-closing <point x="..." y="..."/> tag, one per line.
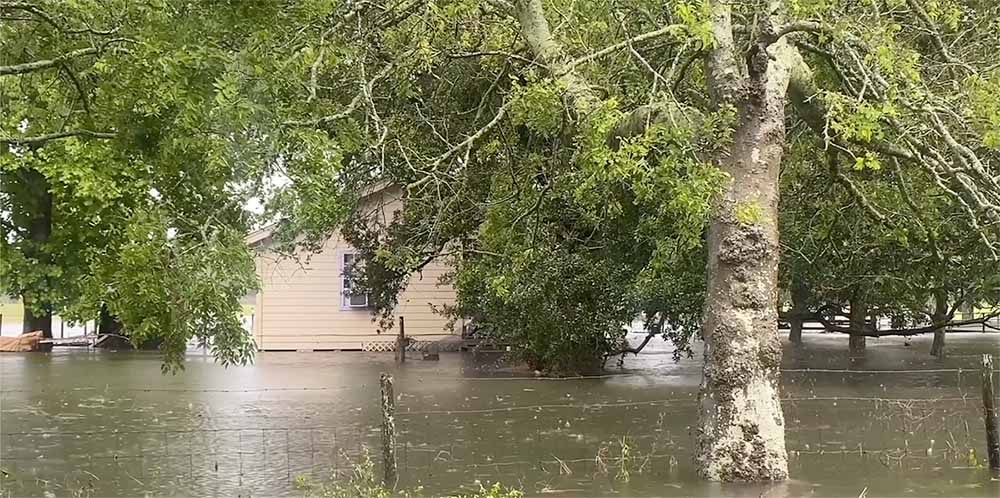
<point x="351" y="300"/>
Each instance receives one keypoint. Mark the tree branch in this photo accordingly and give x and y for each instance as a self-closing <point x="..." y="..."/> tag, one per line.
<point x="639" y="120"/>
<point x="854" y="190"/>
<point x="905" y="332"/>
<point x="721" y="66"/>
<point x="939" y="43"/>
<point x="28" y="67"/>
<point x="41" y="139"/>
<point x="624" y="44"/>
<point x="800" y="26"/>
<point x="536" y="32"/>
<point x="639" y="348"/>
<point x="79" y="87"/>
<point x="484" y="53"/>
<point x="468" y="142"/>
<point x="655" y="330"/>
<point x="40" y="13"/>
<point x="351" y="106"/>
<point x="804" y="92"/>
<point x="678" y="73"/>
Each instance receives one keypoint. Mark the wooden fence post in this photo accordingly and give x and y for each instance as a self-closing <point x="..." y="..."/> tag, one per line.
<point x="388" y="430"/>
<point x="990" y="414"/>
<point x="401" y="343"/>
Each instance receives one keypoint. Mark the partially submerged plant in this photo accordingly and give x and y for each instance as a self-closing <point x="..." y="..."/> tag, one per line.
<point x="363" y="483"/>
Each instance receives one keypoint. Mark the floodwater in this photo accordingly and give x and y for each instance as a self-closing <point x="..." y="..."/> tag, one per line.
<point x="78" y="423"/>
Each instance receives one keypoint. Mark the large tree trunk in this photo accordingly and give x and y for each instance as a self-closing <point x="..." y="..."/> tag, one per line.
<point x="858" y="321"/>
<point x="939" y="318"/>
<point x="37" y="313"/>
<point x="36" y="320"/>
<point x="107" y="323"/>
<point x="741" y="434"/>
<point x="799" y="310"/>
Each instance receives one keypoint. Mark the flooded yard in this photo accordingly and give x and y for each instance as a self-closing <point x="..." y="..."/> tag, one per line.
<point x="900" y="423"/>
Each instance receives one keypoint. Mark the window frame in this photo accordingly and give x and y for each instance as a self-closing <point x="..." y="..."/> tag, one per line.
<point x="345" y="285"/>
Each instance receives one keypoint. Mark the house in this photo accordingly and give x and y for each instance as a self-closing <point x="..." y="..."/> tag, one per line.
<point x="303" y="303"/>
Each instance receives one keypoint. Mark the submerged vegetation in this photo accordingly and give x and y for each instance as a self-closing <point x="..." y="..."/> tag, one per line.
<point x="363" y="483"/>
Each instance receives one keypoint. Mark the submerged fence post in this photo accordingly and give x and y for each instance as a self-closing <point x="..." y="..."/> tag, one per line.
<point x="388" y="430"/>
<point x="990" y="414"/>
<point x="401" y="342"/>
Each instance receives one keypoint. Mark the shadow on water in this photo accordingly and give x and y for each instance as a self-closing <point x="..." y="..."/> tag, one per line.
<point x="109" y="424"/>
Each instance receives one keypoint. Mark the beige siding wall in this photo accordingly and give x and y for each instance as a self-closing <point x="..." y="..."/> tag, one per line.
<point x="301" y="305"/>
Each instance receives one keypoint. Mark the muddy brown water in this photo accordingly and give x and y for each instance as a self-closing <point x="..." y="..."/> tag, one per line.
<point x="77" y="423"/>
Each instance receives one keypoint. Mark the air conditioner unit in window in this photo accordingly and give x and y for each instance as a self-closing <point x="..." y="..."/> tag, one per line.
<point x="357" y="301"/>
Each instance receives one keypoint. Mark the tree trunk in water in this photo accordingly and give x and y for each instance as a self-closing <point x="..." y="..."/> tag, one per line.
<point x="798" y="312"/>
<point x="108" y="323"/>
<point x="38" y="315"/>
<point x="858" y="318"/>
<point x="937" y="347"/>
<point x="741" y="433"/>
<point x="857" y="344"/>
<point x="940" y="317"/>
<point x="36" y="320"/>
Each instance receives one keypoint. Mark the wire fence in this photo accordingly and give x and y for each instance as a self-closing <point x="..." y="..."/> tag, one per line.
<point x="516" y="442"/>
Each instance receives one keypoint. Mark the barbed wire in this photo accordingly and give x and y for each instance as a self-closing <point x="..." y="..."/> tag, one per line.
<point x="971" y="370"/>
<point x="852" y="371"/>
<point x="289" y="450"/>
<point x="505" y="409"/>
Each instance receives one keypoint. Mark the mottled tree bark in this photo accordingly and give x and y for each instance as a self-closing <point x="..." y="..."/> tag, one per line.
<point x="939" y="318"/>
<point x="799" y="309"/>
<point x="858" y="318"/>
<point x="391" y="475"/>
<point x="37" y="312"/>
<point x="741" y="426"/>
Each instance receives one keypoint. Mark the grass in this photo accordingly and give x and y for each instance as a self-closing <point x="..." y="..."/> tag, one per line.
<point x="363" y="483"/>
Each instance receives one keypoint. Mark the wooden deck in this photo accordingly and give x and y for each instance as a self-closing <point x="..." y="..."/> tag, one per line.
<point x="90" y="340"/>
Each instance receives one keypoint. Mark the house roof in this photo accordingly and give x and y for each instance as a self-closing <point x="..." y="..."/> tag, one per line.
<point x="261" y="235"/>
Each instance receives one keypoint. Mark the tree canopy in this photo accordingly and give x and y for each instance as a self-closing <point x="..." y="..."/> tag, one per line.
<point x="125" y="166"/>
